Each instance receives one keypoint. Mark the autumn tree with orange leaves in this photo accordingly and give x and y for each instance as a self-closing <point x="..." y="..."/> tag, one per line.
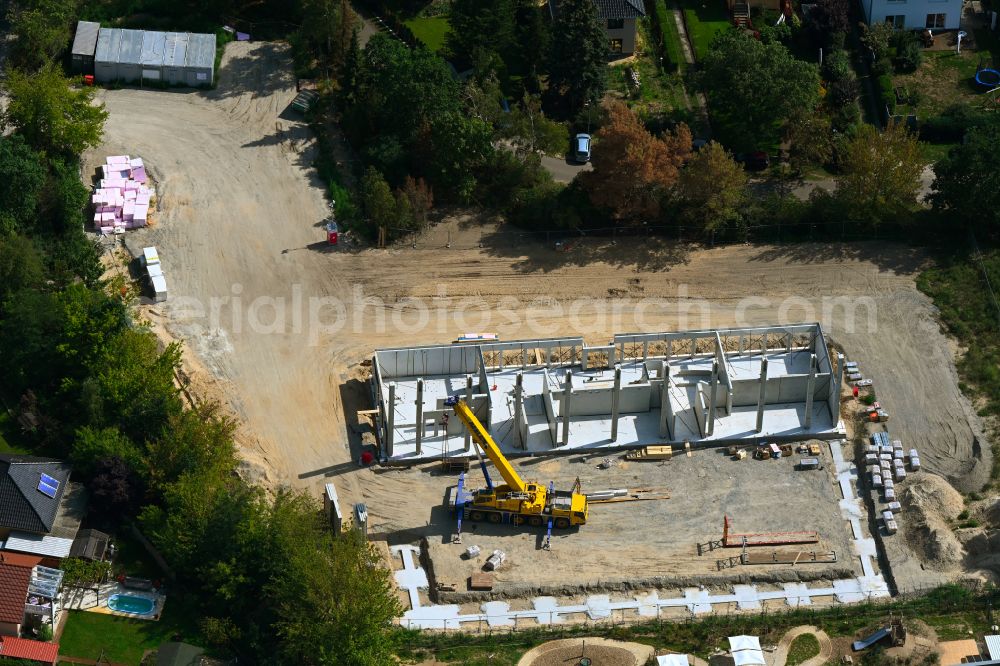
<point x="633" y="170"/>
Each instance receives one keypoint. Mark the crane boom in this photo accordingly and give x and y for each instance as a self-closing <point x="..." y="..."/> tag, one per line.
<point x="486" y="443"/>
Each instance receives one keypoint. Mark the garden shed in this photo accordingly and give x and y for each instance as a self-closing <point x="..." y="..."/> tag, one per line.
<point x="128" y="56"/>
<point x="84" y="46"/>
<point x="199" y="69"/>
<point x="109" y="41"/>
<point x="154" y="45"/>
<point x="176" y="58"/>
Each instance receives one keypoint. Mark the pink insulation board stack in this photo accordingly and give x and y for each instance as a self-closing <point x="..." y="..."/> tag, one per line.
<point x="121" y="200"/>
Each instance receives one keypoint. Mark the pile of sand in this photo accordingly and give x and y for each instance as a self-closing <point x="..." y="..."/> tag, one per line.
<point x="931" y="494"/>
<point x="930" y="504"/>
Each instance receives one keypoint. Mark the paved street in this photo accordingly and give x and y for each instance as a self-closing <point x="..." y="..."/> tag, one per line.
<point x="562" y="170"/>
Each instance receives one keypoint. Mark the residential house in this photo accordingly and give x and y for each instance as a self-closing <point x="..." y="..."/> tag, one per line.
<point x="28" y="593"/>
<point x="29" y="651"/>
<point x="914" y="14"/>
<point x="40" y="510"/>
<point x="619" y="19"/>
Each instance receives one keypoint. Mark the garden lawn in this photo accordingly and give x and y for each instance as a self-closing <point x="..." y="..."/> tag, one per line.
<point x="9" y="434"/>
<point x="121" y="639"/>
<point x="804" y="647"/>
<point x="704" y="19"/>
<point x="431" y="30"/>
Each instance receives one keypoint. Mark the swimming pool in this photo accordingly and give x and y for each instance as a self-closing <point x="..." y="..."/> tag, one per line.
<point x="126" y="603"/>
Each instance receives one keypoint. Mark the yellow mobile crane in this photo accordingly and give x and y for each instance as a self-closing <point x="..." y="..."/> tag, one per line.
<point x="515" y="501"/>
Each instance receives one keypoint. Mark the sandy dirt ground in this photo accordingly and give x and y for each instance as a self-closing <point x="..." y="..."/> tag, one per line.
<point x="241" y="239"/>
<point x="654" y="544"/>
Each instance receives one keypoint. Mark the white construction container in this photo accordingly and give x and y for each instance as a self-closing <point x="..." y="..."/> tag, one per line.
<point x="898" y="455"/>
<point x="897" y="444"/>
<point x="890" y="494"/>
<point x="876" y="480"/>
<point x="891" y="527"/>
<point x="895" y="507"/>
<point x="159" y="284"/>
<point x="871" y="459"/>
<point x="472" y="552"/>
<point x="888" y="483"/>
<point x="149" y="256"/>
<point x="914" y="463"/>
<point x="900" y="473"/>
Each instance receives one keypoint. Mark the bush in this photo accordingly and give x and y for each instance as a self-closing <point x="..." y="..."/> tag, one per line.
<point x="952" y="124"/>
<point x="887" y="93"/>
<point x="909" y="52"/>
<point x="837" y="67"/>
<point x="843" y="92"/>
<point x="668" y="40"/>
<point x="882" y="66"/>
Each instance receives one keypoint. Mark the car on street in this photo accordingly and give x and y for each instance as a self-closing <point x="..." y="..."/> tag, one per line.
<point x="581" y="148"/>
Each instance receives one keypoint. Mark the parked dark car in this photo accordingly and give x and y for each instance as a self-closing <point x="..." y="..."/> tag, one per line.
<point x="755" y="161"/>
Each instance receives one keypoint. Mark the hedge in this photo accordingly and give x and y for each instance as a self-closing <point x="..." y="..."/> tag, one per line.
<point x="668" y="39"/>
<point x="887" y="93"/>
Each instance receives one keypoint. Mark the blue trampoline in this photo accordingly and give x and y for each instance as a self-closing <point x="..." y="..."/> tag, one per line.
<point x="988" y="78"/>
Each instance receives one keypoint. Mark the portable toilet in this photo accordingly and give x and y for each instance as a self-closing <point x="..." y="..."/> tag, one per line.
<point x="332" y="233"/>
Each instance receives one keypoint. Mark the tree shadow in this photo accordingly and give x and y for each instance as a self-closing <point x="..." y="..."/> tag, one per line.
<point x="538" y="252"/>
<point x="892" y="256"/>
<point x="263" y="70"/>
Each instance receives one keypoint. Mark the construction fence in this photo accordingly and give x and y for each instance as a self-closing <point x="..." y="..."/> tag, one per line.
<point x="968" y="601"/>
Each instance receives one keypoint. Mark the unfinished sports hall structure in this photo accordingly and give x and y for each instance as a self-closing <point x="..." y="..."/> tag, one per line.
<point x="560" y="395"/>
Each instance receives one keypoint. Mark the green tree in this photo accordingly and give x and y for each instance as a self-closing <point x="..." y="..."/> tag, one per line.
<point x="532" y="43"/>
<point x="380" y="205"/>
<point x="190" y="440"/>
<point x="94" y="444"/>
<point x="22" y="178"/>
<point x="479" y="24"/>
<point x="810" y="139"/>
<point x="578" y="60"/>
<point x="712" y="187"/>
<point x="50" y="115"/>
<point x="754" y="89"/>
<point x="967" y="181"/>
<point x="41" y="31"/>
<point x="20" y="266"/>
<point x="335" y="603"/>
<point x="328" y="30"/>
<point x="881" y="174"/>
<point x="876" y="38"/>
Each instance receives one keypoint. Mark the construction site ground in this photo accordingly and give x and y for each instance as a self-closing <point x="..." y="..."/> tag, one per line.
<point x="649" y="544"/>
<point x="241" y="219"/>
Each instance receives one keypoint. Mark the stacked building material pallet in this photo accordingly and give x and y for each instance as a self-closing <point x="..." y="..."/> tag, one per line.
<point x="122" y="198"/>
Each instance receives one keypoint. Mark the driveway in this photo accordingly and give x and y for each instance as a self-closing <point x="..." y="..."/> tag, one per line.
<point x="563" y="170"/>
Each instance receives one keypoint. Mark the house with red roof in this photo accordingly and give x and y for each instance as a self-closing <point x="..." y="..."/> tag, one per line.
<point x="28" y="592"/>
<point x="29" y="650"/>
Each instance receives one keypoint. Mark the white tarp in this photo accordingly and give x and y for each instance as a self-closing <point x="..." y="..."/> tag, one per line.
<point x="737" y="643"/>
<point x="749" y="658"/>
<point x="992" y="642"/>
<point x="673" y="660"/>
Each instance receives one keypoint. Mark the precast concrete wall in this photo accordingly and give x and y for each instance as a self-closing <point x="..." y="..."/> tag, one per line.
<point x="429" y="361"/>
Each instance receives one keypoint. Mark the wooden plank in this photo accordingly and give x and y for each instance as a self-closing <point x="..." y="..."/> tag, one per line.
<point x="793" y="557"/>
<point x="481" y="581"/>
